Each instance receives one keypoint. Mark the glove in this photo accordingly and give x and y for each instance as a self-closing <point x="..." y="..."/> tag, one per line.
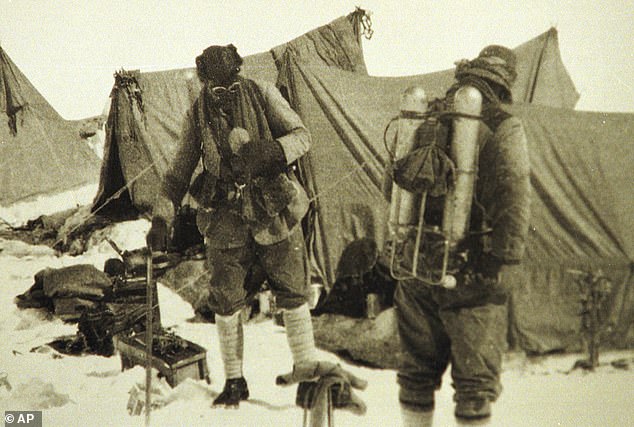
<point x="316" y="378"/>
<point x="158" y="235"/>
<point x="258" y="158"/>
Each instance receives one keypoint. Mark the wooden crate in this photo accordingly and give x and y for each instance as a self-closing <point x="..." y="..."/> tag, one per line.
<point x="190" y="362"/>
<point x="70" y="309"/>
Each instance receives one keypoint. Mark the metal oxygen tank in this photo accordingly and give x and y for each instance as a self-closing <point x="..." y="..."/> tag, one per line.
<point x="464" y="153"/>
<point x="404" y="204"/>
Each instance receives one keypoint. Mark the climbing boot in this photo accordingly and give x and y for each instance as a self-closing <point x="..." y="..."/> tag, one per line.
<point x="234" y="391"/>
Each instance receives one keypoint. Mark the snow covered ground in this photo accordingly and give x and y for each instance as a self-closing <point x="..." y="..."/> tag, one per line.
<point x="19" y="213"/>
<point x="93" y="391"/>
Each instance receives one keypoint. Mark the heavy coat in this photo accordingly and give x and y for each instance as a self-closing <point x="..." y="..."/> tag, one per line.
<point x="466" y="325"/>
<point x="200" y="138"/>
<point x="503" y="189"/>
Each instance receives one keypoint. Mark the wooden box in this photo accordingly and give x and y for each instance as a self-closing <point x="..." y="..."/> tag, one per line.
<point x="189" y="361"/>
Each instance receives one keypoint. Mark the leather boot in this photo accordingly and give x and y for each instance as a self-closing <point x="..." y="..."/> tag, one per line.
<point x="234" y="391"/>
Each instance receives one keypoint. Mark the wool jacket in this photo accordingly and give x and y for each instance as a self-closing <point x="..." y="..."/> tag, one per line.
<point x="196" y="141"/>
<point x="501" y="202"/>
<point x="503" y="189"/>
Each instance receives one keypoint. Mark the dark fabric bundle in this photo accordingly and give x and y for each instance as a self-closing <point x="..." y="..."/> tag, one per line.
<point x="316" y="379"/>
<point x="82" y="281"/>
<point x="427" y="168"/>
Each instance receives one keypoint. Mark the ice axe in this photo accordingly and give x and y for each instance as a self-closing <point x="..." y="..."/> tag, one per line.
<point x="148" y="334"/>
<point x="152" y="242"/>
<point x="322" y="387"/>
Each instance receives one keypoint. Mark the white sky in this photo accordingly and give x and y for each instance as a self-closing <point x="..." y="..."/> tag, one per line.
<point x="70" y="49"/>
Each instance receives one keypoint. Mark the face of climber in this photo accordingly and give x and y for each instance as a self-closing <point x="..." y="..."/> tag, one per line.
<point x="218" y="68"/>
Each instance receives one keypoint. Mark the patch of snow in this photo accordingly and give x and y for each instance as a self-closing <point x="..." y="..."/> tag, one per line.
<point x="19" y="249"/>
<point x="92" y="390"/>
<point x="35" y="394"/>
<point x="127" y="235"/>
<point x="20" y="212"/>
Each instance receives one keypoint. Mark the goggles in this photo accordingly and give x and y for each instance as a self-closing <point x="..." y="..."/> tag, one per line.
<point x="221" y="90"/>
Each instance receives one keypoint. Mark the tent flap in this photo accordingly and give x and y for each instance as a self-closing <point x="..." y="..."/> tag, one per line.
<point x="335" y="44"/>
<point x="40" y="152"/>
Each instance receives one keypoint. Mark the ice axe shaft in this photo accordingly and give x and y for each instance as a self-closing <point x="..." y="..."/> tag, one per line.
<point x="330" y="409"/>
<point x="148" y="335"/>
<point x="317" y="413"/>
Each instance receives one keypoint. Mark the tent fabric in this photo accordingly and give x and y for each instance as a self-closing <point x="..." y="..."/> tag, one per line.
<point x="581" y="181"/>
<point x="541" y="79"/>
<point x="581" y="200"/>
<point x="581" y="220"/>
<point x="347" y="115"/>
<point x="336" y="44"/>
<point x="40" y="152"/>
<point x="147" y="110"/>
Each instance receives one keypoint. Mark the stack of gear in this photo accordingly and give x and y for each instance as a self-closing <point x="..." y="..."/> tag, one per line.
<point x="104" y="303"/>
<point x="67" y="291"/>
<point x="123" y="310"/>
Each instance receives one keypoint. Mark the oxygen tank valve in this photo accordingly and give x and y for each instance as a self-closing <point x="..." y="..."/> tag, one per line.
<point x="449" y="282"/>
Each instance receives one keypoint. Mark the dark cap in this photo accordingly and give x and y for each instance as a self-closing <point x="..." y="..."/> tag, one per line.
<point x="505" y="55"/>
<point x="219" y="64"/>
<point x="495" y="63"/>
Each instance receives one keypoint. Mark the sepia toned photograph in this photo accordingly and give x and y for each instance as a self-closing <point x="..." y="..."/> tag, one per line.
<point x="329" y="213"/>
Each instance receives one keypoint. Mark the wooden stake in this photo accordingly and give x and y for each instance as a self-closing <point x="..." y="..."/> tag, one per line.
<point x="148" y="337"/>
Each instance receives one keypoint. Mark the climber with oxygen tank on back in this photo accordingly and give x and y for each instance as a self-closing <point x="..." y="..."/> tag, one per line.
<point x="463" y="184"/>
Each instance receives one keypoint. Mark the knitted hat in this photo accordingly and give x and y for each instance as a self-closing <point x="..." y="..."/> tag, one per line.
<point x="494" y="63"/>
<point x="500" y="52"/>
<point x="219" y="64"/>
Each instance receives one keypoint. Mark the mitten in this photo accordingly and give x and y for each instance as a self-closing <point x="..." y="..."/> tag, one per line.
<point x="315" y="378"/>
<point x="258" y="158"/>
<point x="489" y="266"/>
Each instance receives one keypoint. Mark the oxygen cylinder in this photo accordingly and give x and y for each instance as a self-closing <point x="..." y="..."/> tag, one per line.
<point x="403" y="204"/>
<point x="464" y="153"/>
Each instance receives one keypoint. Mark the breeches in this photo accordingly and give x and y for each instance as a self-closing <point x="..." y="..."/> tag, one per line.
<point x="466" y="327"/>
<point x="238" y="272"/>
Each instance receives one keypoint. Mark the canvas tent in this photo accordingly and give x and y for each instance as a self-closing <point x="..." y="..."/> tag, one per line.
<point x="147" y="110"/>
<point x="582" y="194"/>
<point x="40" y="152"/>
<point x="347" y="114"/>
<point x="346" y="111"/>
<point x="581" y="220"/>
